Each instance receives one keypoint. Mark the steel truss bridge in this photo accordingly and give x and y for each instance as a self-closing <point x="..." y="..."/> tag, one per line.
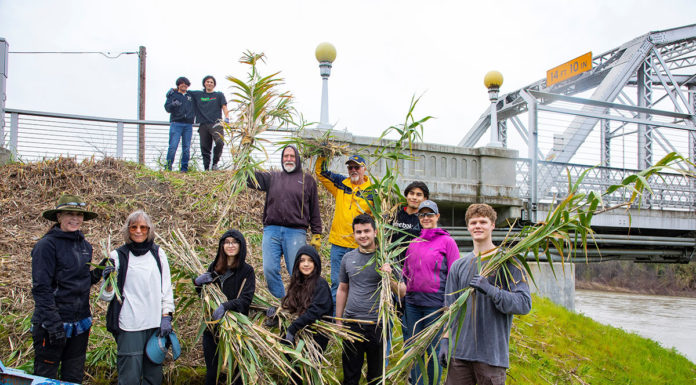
<point x="634" y="106"/>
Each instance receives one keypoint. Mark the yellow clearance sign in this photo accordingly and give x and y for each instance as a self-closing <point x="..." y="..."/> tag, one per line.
<point x="569" y="69"/>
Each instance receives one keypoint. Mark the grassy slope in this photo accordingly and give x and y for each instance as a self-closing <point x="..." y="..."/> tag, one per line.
<point x="554" y="346"/>
<point x="550" y="345"/>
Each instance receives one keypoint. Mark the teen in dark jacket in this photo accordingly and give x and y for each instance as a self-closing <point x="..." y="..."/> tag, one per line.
<point x="236" y="278"/>
<point x="61" y="280"/>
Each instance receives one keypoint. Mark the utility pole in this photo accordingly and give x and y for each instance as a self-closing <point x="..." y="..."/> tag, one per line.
<point x="142" y="53"/>
<point x="3" y="81"/>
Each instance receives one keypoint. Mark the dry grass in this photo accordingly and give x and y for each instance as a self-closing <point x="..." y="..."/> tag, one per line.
<point x="113" y="189"/>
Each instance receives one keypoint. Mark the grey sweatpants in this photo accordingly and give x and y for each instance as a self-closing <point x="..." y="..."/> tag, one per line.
<point x="133" y="365"/>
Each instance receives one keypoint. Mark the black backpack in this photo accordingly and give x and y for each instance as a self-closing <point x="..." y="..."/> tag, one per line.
<point x="114" y="310"/>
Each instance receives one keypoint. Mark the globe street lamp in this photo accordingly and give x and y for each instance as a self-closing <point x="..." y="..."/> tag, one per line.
<point x="325" y="54"/>
<point x="493" y="80"/>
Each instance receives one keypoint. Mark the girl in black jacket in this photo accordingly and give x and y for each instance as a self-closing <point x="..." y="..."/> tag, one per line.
<point x="236" y="279"/>
<point x="308" y="296"/>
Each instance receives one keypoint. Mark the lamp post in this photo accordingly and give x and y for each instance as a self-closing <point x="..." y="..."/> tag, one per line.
<point x="325" y="54"/>
<point x="493" y="80"/>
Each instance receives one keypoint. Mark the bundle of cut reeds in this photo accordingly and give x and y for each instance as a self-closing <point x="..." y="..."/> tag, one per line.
<point x="310" y="363"/>
<point x="245" y="348"/>
<point x="565" y="231"/>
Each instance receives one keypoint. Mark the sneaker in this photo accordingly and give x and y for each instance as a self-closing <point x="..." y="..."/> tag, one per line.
<point x="215" y="167"/>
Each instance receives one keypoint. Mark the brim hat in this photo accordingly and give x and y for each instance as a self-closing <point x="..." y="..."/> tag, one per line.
<point x="357" y="159"/>
<point x="72" y="203"/>
<point x="156" y="348"/>
<point x="429" y="205"/>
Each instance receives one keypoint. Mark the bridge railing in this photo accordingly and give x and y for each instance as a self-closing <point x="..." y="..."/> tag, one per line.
<point x="34" y="135"/>
<point x="670" y="190"/>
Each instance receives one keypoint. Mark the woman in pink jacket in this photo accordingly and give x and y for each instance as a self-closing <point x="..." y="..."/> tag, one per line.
<point x="427" y="263"/>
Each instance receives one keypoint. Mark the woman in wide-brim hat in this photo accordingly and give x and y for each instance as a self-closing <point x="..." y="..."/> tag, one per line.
<point x="61" y="280"/>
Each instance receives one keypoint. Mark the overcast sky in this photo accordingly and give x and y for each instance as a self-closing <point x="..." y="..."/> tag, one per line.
<point x="387" y="51"/>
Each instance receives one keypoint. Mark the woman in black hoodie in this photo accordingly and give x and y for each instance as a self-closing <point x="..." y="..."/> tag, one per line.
<point x="308" y="297"/>
<point x="236" y="278"/>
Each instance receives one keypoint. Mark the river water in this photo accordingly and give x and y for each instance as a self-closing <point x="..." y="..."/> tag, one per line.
<point x="671" y="321"/>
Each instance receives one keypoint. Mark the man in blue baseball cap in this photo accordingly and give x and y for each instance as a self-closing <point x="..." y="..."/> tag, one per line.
<point x="351" y="201"/>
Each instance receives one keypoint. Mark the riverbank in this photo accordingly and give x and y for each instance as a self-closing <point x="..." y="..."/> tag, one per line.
<point x="638" y="278"/>
<point x="554" y="346"/>
<point x="597" y="286"/>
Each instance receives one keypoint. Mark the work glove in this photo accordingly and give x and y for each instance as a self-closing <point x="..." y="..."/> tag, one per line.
<point x="170" y="92"/>
<point x="289" y="339"/>
<point x="56" y="335"/>
<point x="219" y="313"/>
<point x="165" y="326"/>
<point x="316" y="241"/>
<point x="481" y="284"/>
<point x="108" y="270"/>
<point x="203" y="279"/>
<point x="271" y="317"/>
<point x="176" y="103"/>
<point x="442" y="353"/>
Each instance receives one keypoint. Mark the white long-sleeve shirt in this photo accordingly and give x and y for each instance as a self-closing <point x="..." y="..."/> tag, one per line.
<point x="146" y="294"/>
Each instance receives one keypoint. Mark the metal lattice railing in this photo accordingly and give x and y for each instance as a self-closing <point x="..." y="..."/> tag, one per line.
<point x="670" y="190"/>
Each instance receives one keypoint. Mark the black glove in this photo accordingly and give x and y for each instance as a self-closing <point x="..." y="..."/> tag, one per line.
<point x="442" y="353"/>
<point x="170" y="92"/>
<point x="290" y="338"/>
<point x="108" y="270"/>
<point x="271" y="311"/>
<point x="481" y="284"/>
<point x="219" y="313"/>
<point x="203" y="279"/>
<point x="176" y="103"/>
<point x="56" y="335"/>
<point x="165" y="326"/>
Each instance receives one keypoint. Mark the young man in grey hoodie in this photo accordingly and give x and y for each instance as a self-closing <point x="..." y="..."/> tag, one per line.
<point x="480" y="354"/>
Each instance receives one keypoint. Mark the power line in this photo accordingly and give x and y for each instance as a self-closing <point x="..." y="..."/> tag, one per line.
<point x="106" y="54"/>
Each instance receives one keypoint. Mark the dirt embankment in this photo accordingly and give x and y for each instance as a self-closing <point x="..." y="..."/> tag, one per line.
<point x="191" y="202"/>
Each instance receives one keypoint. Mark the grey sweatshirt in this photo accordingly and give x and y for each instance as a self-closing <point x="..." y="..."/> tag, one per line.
<point x="485" y="335"/>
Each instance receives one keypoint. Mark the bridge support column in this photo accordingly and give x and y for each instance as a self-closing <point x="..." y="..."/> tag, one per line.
<point x="560" y="289"/>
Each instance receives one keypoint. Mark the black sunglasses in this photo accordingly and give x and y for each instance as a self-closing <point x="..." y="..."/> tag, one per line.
<point x="423" y="215"/>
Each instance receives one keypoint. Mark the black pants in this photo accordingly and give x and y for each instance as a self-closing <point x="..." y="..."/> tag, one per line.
<point x="210" y="355"/>
<point x="209" y="133"/>
<point x="70" y="356"/>
<point x="354" y="354"/>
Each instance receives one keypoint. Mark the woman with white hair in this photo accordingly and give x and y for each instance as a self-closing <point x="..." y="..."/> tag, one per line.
<point x="145" y="286"/>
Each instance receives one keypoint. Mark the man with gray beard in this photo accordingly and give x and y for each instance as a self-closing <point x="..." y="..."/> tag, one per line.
<point x="292" y="205"/>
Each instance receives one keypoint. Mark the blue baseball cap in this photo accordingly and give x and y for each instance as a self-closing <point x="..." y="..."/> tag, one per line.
<point x="156" y="348"/>
<point x="428" y="204"/>
<point x="357" y="159"/>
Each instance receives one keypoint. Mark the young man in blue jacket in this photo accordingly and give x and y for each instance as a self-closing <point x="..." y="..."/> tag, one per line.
<point x="179" y="104"/>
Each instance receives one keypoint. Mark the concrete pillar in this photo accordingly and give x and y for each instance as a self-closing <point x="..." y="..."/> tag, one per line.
<point x="560" y="289"/>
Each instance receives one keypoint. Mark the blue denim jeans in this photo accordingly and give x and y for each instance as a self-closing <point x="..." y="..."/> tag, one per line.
<point x="416" y="319"/>
<point x="277" y="241"/>
<point x="179" y="132"/>
<point x="337" y="253"/>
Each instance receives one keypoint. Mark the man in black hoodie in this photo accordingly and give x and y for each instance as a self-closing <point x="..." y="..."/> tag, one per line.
<point x="292" y="205"/>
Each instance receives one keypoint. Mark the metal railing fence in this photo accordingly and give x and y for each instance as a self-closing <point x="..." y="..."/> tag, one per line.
<point x="670" y="190"/>
<point x="35" y="135"/>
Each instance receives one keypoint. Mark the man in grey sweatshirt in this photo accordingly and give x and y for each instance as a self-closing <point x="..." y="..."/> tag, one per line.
<point x="480" y="354"/>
